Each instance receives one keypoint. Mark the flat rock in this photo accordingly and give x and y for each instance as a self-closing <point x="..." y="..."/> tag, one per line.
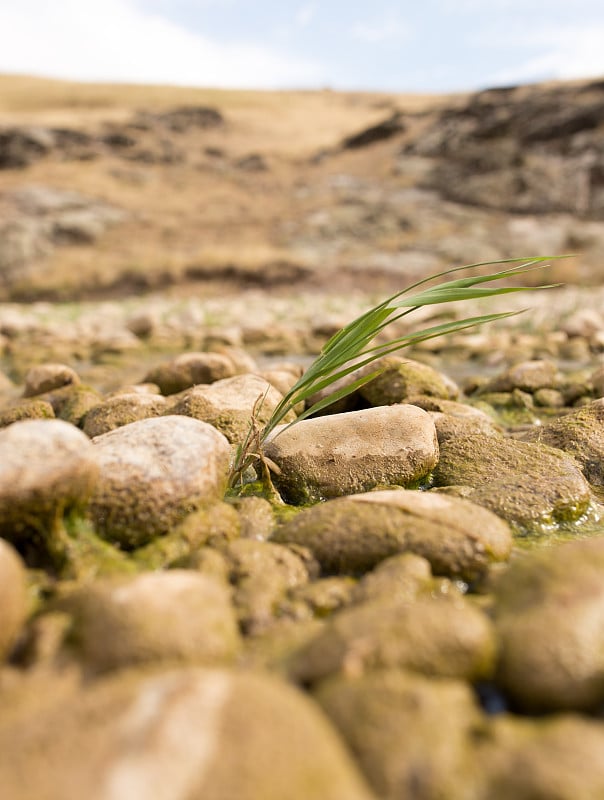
<point x="353" y="534"/>
<point x="189" y="369"/>
<point x="152" y="473"/>
<point x="549" y="616"/>
<point x="529" y="485"/>
<point x="343" y="454"/>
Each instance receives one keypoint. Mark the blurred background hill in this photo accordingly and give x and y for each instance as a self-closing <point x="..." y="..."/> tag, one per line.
<point x="110" y="190"/>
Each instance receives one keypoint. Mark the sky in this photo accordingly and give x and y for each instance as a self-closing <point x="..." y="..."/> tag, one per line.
<point x="414" y="46"/>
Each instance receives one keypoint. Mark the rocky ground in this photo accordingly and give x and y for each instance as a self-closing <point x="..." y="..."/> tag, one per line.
<point x="415" y="610"/>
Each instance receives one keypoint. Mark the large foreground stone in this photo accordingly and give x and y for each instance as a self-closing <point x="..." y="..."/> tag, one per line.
<point x="353" y="452"/>
<point x="13" y="597"/>
<point x="581" y="435"/>
<point x="558" y="756"/>
<point x="529" y="485"/>
<point x="436" y="636"/>
<point x="178" y="615"/>
<point x="353" y="534"/>
<point x="549" y="615"/>
<point x="411" y="735"/>
<point x="152" y="473"/>
<point x="186" y="734"/>
<point x="47" y="467"/>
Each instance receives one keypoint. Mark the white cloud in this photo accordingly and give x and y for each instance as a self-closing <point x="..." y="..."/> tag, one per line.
<point x="387" y="29"/>
<point x="114" y="40"/>
<point x="560" y="53"/>
<point x="305" y="14"/>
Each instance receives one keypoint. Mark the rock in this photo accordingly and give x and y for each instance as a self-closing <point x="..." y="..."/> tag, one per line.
<point x="549" y="616"/>
<point x="13" y="598"/>
<point x="386" y="129"/>
<point x="402" y="378"/>
<point x="556" y="756"/>
<point x="21" y="146"/>
<point x="190" y="369"/>
<point x="256" y="516"/>
<point x="353" y="452"/>
<point x="453" y="419"/>
<point x="580" y="434"/>
<point x="529" y="485"/>
<point x="412" y="736"/>
<point x="71" y="403"/>
<point x="402" y="577"/>
<point x="439" y="636"/>
<point x="213" y="526"/>
<point x="47" y="469"/>
<point x="32" y="409"/>
<point x="323" y="596"/>
<point x="353" y="534"/>
<point x="261" y="572"/>
<point x="528" y="376"/>
<point x="46" y="377"/>
<point x="152" y="473"/>
<point x="176" y="616"/>
<point x="122" y="410"/>
<point x="229" y="404"/>
<point x="177" y="734"/>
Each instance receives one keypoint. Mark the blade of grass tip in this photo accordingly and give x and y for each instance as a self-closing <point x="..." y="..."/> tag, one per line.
<point x="522" y="265"/>
<point x="454" y="294"/>
<point x="476" y="265"/>
<point x="423" y="298"/>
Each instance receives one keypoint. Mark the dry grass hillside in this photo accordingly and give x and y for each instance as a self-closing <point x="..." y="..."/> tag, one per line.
<point x="115" y="190"/>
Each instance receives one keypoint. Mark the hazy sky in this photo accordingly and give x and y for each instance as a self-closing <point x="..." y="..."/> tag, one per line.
<point x="421" y="45"/>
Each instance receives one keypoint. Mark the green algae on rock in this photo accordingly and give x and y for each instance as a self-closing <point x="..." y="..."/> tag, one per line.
<point x="213" y="525"/>
<point x="401" y="378"/>
<point x="121" y="410"/>
<point x="353" y="534"/>
<point x="47" y="469"/>
<point x="27" y="409"/>
<point x="579" y="433"/>
<point x="531" y="486"/>
<point x="154" y="472"/>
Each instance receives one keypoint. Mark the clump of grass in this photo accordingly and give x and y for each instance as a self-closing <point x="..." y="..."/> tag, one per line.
<point x="352" y="347"/>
